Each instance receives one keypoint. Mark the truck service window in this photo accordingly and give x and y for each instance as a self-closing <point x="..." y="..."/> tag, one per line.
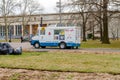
<point x="59" y="32"/>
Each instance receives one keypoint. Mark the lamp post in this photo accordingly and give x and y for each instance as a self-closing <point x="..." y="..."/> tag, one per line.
<point x="59" y="6"/>
<point x="41" y="22"/>
<point x="10" y="35"/>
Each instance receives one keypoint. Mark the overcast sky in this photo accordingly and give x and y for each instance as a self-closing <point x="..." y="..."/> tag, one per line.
<point x="49" y="5"/>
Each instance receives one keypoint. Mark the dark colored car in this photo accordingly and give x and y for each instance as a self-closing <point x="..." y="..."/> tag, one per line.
<point x="6" y="48"/>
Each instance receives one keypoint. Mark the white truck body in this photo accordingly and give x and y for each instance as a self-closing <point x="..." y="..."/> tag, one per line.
<point x="63" y="37"/>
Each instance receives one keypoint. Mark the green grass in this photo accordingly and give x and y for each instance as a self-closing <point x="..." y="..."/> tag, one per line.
<point x="61" y="61"/>
<point x="13" y="40"/>
<point x="115" y="44"/>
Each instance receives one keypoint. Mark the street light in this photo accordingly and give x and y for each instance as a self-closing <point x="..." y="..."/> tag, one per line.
<point x="41" y="22"/>
<point x="59" y="6"/>
<point x="10" y="34"/>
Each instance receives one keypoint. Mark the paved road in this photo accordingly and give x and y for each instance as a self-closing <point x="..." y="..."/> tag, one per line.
<point x="26" y="46"/>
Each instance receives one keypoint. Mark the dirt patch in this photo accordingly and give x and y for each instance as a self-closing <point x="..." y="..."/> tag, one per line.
<point x="22" y="74"/>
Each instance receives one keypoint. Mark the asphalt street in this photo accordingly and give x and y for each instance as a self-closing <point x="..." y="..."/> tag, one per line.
<point x="27" y="47"/>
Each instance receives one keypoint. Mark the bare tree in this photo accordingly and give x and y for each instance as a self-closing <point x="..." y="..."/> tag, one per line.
<point x="7" y="8"/>
<point x="114" y="26"/>
<point x="100" y="9"/>
<point x="97" y="15"/>
<point x="83" y="7"/>
<point x="102" y="12"/>
<point x="28" y="8"/>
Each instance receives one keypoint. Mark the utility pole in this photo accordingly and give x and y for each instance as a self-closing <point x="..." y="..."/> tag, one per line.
<point x="10" y="30"/>
<point x="59" y="6"/>
<point x="41" y="22"/>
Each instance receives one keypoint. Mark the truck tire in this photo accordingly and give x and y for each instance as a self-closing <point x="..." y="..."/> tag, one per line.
<point x="62" y="45"/>
<point x="43" y="46"/>
<point x="37" y="45"/>
<point x="76" y="47"/>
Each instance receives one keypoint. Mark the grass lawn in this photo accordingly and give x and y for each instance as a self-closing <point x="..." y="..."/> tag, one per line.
<point x="63" y="61"/>
<point x="12" y="40"/>
<point x="115" y="44"/>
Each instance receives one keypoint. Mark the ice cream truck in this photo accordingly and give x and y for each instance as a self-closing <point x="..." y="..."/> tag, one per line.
<point x="55" y="36"/>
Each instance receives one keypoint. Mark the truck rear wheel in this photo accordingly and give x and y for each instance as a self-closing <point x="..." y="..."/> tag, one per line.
<point x="76" y="47"/>
<point x="62" y="45"/>
<point x="43" y="46"/>
<point x="37" y="45"/>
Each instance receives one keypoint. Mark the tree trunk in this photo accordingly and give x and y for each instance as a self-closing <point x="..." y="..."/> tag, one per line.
<point x="101" y="26"/>
<point x="117" y="34"/>
<point x="6" y="29"/>
<point x="105" y="23"/>
<point x="84" y="32"/>
<point x="101" y="31"/>
<point x="93" y="34"/>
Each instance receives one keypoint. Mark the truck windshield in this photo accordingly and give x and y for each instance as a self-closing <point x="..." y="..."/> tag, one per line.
<point x="37" y="34"/>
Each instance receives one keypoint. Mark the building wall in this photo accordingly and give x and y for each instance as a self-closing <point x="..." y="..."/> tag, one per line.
<point x="33" y="23"/>
<point x="48" y="19"/>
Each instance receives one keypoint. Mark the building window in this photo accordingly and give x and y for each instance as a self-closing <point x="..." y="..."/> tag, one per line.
<point x="18" y="30"/>
<point x="11" y="30"/>
<point x="2" y="30"/>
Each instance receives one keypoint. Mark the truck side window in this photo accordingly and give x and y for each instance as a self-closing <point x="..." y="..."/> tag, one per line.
<point x="56" y="32"/>
<point x="59" y="34"/>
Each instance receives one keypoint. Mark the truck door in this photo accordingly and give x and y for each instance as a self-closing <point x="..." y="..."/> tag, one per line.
<point x="42" y="34"/>
<point x="77" y="35"/>
<point x="70" y="35"/>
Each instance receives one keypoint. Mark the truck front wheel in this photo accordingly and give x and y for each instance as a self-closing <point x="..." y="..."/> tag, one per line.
<point x="37" y="45"/>
<point x="62" y="45"/>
